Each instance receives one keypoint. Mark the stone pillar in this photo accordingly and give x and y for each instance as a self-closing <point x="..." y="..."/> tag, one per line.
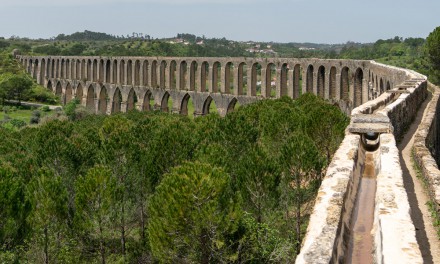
<point x="124" y="106"/>
<point x="109" y="107"/>
<point x="364" y="91"/>
<point x="327" y="83"/>
<point x="209" y="79"/>
<point x="278" y="83"/>
<point x="178" y="75"/>
<point x="139" y="106"/>
<point x="315" y="80"/>
<point x="338" y="86"/>
<point x="264" y="87"/>
<point x="249" y="81"/>
<point x="236" y="80"/>
<point x="223" y="79"/>
<point x="167" y="75"/>
<point x="304" y="80"/>
<point x="291" y="82"/>
<point x="198" y="76"/>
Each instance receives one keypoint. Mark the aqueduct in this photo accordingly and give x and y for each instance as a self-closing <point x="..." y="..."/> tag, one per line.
<point x="381" y="99"/>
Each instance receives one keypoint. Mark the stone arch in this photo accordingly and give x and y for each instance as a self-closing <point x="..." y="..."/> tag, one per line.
<point x="193" y="76"/>
<point x="62" y="69"/>
<point x="154" y="74"/>
<point x="321" y="82"/>
<point x="137" y="71"/>
<point x="296" y="78"/>
<point x="101" y="71"/>
<point x="309" y="79"/>
<point x="184" y="104"/>
<point x="231" y="106"/>
<point x="146" y="104"/>
<point x="68" y="70"/>
<point x="117" y="101"/>
<point x="35" y="69"/>
<point x="204" y="71"/>
<point x="59" y="90"/>
<point x="284" y="79"/>
<point x="129" y="72"/>
<point x="255" y="79"/>
<point x="164" y="102"/>
<point x="163" y="69"/>
<point x="102" y="101"/>
<point x="83" y="70"/>
<point x="79" y="93"/>
<point x="173" y="79"/>
<point x="216" y="72"/>
<point x="208" y="106"/>
<point x="345" y="84"/>
<point x="107" y="71"/>
<point x="357" y="96"/>
<point x="183" y="75"/>
<point x="145" y="73"/>
<point x="332" y="83"/>
<point x="131" y="100"/>
<point x="242" y="79"/>
<point x="122" y="72"/>
<point x="42" y="71"/>
<point x="90" y="100"/>
<point x="49" y="85"/>
<point x="388" y="85"/>
<point x="270" y="80"/>
<point x="69" y="93"/>
<point x="229" y="81"/>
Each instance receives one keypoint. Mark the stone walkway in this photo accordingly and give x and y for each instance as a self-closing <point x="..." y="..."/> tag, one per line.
<point x="425" y="233"/>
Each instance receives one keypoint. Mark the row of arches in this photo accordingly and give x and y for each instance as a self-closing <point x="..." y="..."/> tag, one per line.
<point x="268" y="79"/>
<point x="107" y="100"/>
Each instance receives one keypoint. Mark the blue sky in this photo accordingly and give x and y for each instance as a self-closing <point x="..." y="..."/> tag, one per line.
<point x="318" y="21"/>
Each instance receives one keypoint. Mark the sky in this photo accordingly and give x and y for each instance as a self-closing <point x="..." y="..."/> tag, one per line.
<point x="316" y="21"/>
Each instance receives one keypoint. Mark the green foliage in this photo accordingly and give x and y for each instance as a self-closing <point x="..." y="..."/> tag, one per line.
<point x="433" y="50"/>
<point x="192" y="213"/>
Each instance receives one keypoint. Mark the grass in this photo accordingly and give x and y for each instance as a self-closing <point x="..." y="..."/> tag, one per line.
<point x="23" y="114"/>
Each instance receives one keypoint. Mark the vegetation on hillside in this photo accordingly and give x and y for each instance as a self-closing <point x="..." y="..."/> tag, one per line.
<point x="153" y="187"/>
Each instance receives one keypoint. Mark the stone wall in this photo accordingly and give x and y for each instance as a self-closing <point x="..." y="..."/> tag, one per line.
<point x="426" y="144"/>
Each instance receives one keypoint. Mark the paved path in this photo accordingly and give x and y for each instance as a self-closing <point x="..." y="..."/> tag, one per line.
<point x="51" y="107"/>
<point x="425" y="233"/>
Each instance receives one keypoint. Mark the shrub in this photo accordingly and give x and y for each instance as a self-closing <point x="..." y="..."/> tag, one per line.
<point x="17" y="123"/>
<point x="45" y="108"/>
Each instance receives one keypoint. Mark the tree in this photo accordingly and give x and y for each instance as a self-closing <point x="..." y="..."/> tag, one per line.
<point x="433" y="49"/>
<point x="302" y="165"/>
<point x="94" y="203"/>
<point x="192" y="213"/>
<point x="14" y="86"/>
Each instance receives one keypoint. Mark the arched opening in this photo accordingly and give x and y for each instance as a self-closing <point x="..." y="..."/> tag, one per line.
<point x="62" y="69"/>
<point x="129" y="72"/>
<point x="388" y="86"/>
<point x="154" y="74"/>
<point x="131" y="100"/>
<point x="271" y="87"/>
<point x="145" y="73"/>
<point x="89" y="70"/>
<point x="122" y="72"/>
<point x="83" y="70"/>
<point x="204" y="71"/>
<point x="102" y="102"/>
<point x="183" y="75"/>
<point x="166" y="104"/>
<point x="297" y="81"/>
<point x="57" y="69"/>
<point x="42" y="71"/>
<point x="209" y="106"/>
<point x="48" y="70"/>
<point x="78" y="69"/>
<point x="79" y="93"/>
<point x="35" y="70"/>
<point x="255" y="79"/>
<point x="358" y="77"/>
<point x="70" y="69"/>
<point x="229" y="81"/>
<point x="309" y="81"/>
<point x="49" y="86"/>
<point x="232" y="105"/>
<point x="284" y="79"/>
<point x="95" y="71"/>
<point x="137" y="71"/>
<point x="107" y="71"/>
<point x="163" y="68"/>
<point x="173" y="66"/>
<point x="321" y="82"/>
<point x="90" y="101"/>
<point x="193" y="76"/>
<point x="115" y="72"/>
<point x="332" y="83"/>
<point x="187" y="106"/>
<point x="242" y="79"/>
<point x="146" y="106"/>
<point x="216" y="72"/>
<point x="345" y="84"/>
<point x="101" y="71"/>
<point x="54" y="69"/>
<point x="69" y="93"/>
<point x="117" y="100"/>
<point x="59" y="90"/>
